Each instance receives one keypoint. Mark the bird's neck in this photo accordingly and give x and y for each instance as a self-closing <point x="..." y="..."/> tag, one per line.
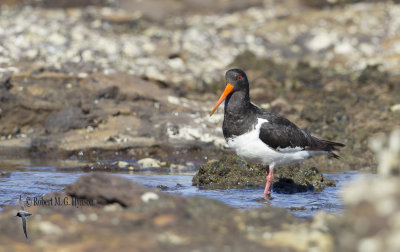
<point x="237" y="102"/>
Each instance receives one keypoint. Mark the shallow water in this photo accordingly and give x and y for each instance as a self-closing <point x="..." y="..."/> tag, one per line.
<point x="36" y="181"/>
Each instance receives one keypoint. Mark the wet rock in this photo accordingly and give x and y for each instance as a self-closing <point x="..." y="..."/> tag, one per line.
<point x="302" y="208"/>
<point x="4" y="174"/>
<point x="232" y="171"/>
<point x="229" y="171"/>
<point x="105" y="189"/>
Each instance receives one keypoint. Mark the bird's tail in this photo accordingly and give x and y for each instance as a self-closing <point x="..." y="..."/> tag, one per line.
<point x="331" y="146"/>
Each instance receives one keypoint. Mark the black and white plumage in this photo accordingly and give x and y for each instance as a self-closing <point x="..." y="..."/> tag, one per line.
<point x="23" y="214"/>
<point x="263" y="136"/>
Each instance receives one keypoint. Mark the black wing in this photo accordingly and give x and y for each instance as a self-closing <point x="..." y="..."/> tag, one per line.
<point x="279" y="132"/>
<point x="24" y="225"/>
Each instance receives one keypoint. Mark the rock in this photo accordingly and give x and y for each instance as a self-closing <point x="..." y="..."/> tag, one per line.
<point x="322" y="40"/>
<point x="371" y="220"/>
<point x="330" y="111"/>
<point x="5" y="79"/>
<point x="4" y="174"/>
<point x="307" y="75"/>
<point x="395" y="108"/>
<point x="106" y="189"/>
<point x="233" y="172"/>
<point x="373" y="74"/>
<point x="65" y="119"/>
<point x="122" y="164"/>
<point x="229" y="171"/>
<point x="149" y="162"/>
<point x="147" y="196"/>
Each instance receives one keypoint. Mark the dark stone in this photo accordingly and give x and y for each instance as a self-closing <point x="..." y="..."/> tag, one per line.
<point x="5" y="80"/>
<point x="65" y="119"/>
<point x="108" y="93"/>
<point x="372" y="75"/>
<point x="105" y="188"/>
<point x="4" y="174"/>
<point x="330" y="111"/>
<point x="307" y="75"/>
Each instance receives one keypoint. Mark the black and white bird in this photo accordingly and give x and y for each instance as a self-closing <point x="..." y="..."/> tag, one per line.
<point x="23" y="214"/>
<point x="262" y="136"/>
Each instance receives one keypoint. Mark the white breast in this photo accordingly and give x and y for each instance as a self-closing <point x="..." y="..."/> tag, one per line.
<point x="250" y="146"/>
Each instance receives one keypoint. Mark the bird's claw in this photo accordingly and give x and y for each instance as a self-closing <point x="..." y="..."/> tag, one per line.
<point x="268" y="197"/>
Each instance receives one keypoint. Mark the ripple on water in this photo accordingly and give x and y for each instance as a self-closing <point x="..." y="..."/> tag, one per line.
<point x="35" y="182"/>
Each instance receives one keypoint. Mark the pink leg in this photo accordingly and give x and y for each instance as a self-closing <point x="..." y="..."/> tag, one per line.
<point x="269" y="178"/>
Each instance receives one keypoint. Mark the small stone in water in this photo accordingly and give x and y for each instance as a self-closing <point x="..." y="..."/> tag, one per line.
<point x="147" y="196"/>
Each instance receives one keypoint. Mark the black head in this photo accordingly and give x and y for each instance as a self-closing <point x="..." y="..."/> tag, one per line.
<point x="237" y="78"/>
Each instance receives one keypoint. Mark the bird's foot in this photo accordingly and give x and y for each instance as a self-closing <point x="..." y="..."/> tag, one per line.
<point x="268" y="196"/>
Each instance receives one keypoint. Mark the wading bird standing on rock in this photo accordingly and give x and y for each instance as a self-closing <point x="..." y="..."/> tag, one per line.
<point x="263" y="136"/>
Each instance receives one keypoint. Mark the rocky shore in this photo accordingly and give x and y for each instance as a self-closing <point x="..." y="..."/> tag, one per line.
<point x="127" y="85"/>
<point x="99" y="79"/>
<point x="112" y="212"/>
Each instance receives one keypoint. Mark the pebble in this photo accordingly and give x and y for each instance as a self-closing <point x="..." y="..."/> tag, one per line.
<point x="112" y="207"/>
<point x="149" y="162"/>
<point x="147" y="196"/>
<point x="395" y="108"/>
<point x="122" y="164"/>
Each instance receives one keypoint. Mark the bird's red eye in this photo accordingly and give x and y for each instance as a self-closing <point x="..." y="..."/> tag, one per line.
<point x="239" y="77"/>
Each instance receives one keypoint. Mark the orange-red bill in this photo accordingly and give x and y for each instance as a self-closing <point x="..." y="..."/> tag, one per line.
<point x="227" y="91"/>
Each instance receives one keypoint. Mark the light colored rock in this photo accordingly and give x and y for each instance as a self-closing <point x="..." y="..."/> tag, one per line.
<point x="122" y="164"/>
<point x="112" y="207"/>
<point x="322" y="40"/>
<point x="149" y="162"/>
<point x="395" y="108"/>
<point x="147" y="196"/>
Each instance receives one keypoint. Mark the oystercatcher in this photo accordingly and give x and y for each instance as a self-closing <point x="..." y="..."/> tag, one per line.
<point x="262" y="136"/>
